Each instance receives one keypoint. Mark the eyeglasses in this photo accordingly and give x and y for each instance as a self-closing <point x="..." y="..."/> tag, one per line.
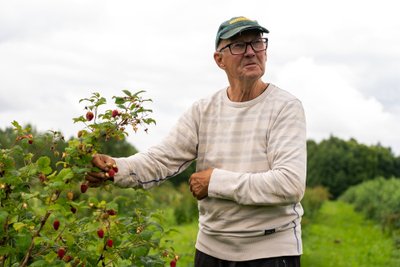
<point x="239" y="48"/>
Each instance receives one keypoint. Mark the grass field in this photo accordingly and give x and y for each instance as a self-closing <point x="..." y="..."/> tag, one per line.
<point x="338" y="237"/>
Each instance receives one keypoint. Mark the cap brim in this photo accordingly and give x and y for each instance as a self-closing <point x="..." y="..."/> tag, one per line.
<point x="238" y="30"/>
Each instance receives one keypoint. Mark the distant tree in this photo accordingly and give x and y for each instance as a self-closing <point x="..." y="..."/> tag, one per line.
<point x="41" y="142"/>
<point x="44" y="142"/>
<point x="338" y="164"/>
<point x="117" y="148"/>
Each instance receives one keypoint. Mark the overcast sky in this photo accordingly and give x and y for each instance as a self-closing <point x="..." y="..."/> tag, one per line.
<point x="340" y="58"/>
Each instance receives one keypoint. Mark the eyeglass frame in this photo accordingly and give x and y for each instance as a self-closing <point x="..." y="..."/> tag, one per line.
<point x="265" y="41"/>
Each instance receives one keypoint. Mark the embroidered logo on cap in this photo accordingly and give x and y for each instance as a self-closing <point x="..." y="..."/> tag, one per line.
<point x="238" y="19"/>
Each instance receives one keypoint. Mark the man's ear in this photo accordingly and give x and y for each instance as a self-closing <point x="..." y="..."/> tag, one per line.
<point x="219" y="60"/>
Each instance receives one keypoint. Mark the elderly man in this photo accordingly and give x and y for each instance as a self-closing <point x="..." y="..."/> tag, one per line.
<point x="249" y="143"/>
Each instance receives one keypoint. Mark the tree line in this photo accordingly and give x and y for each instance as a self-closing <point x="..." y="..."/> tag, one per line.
<point x="333" y="163"/>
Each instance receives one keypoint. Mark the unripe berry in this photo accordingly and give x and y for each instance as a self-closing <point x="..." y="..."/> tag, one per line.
<point x="42" y="177"/>
<point x="81" y="133"/>
<point x="70" y="195"/>
<point x="67" y="258"/>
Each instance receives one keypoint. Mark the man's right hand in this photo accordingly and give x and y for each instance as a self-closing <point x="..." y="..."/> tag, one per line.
<point x="105" y="163"/>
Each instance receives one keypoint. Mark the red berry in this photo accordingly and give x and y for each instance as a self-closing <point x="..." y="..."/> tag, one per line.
<point x="111" y="173"/>
<point x="109" y="243"/>
<point x="61" y="253"/>
<point x="73" y="209"/>
<point x="89" y="115"/>
<point x="111" y="212"/>
<point x="84" y="188"/>
<point x="56" y="224"/>
<point x="172" y="263"/>
<point x="100" y="233"/>
<point x="115" y="168"/>
<point x="30" y="141"/>
<point x="115" y="113"/>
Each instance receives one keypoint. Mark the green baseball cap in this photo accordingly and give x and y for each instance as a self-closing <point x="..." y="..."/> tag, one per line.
<point x="237" y="25"/>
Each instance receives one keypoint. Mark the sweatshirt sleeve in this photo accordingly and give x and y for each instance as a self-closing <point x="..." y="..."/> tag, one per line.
<point x="161" y="162"/>
<point x="285" y="181"/>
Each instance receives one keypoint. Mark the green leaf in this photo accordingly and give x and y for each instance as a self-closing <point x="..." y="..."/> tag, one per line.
<point x="43" y="162"/>
<point x="139" y="92"/>
<point x="70" y="240"/>
<point x="146" y="235"/>
<point x="39" y="263"/>
<point x="3" y="218"/>
<point x="50" y="257"/>
<point x="18" y="226"/>
<point x="127" y="92"/>
<point x="6" y="250"/>
<point x="140" y="251"/>
<point x="17" y="126"/>
<point x="149" y="121"/>
<point x="44" y="165"/>
<point x="119" y="101"/>
<point x="101" y="101"/>
<point x="65" y="174"/>
<point x="23" y="240"/>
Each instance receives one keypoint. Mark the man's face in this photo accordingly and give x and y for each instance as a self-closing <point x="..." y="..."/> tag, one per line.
<point x="248" y="66"/>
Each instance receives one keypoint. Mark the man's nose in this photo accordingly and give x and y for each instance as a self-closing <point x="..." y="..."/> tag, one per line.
<point x="249" y="50"/>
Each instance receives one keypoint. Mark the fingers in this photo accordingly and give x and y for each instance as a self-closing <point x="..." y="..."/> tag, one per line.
<point x="94" y="184"/>
<point x="103" y="162"/>
<point x="197" y="186"/>
<point x="96" y="177"/>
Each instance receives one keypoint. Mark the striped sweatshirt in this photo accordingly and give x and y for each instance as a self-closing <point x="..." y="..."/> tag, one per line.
<point x="258" y="151"/>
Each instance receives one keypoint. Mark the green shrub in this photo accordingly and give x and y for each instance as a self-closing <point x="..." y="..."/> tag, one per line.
<point x="48" y="217"/>
<point x="186" y="210"/>
<point x="313" y="199"/>
<point x="379" y="200"/>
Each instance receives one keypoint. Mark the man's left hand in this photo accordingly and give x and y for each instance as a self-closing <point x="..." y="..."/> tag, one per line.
<point x="198" y="183"/>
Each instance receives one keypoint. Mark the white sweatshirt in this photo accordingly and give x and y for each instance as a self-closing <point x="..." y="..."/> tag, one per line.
<point x="258" y="150"/>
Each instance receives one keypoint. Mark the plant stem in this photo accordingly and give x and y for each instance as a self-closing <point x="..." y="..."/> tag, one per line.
<point x="36" y="234"/>
<point x="29" y="252"/>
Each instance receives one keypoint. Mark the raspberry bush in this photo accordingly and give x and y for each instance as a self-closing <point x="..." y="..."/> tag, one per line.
<point x="49" y="216"/>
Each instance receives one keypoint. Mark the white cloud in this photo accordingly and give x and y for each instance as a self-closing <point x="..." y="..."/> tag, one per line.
<point x="333" y="105"/>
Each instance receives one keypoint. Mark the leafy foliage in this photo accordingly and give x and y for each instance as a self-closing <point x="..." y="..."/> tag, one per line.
<point x="379" y="200"/>
<point x="186" y="210"/>
<point x="338" y="164"/>
<point x="48" y="219"/>
<point x="312" y="201"/>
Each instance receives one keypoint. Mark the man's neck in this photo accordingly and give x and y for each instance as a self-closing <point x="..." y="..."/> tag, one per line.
<point x="239" y="92"/>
